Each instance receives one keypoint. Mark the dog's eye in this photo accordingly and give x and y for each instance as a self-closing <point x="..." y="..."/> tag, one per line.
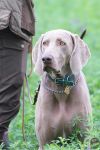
<point x="60" y="42"/>
<point x="46" y="43"/>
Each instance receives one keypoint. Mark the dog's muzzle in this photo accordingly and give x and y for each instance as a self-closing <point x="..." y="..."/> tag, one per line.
<point x="47" y="63"/>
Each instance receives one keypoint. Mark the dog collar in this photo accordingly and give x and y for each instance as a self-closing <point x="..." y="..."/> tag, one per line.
<point x="67" y="80"/>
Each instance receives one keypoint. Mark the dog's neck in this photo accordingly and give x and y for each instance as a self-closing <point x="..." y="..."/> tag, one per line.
<point x="62" y="86"/>
<point x="51" y="86"/>
<point x="66" y="70"/>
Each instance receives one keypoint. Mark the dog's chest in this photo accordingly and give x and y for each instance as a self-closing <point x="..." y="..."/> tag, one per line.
<point x="62" y="120"/>
<point x="63" y="114"/>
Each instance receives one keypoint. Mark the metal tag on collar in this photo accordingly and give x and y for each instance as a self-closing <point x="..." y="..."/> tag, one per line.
<point x="67" y="90"/>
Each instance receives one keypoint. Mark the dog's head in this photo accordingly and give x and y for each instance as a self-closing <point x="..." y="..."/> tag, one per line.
<point x="58" y="49"/>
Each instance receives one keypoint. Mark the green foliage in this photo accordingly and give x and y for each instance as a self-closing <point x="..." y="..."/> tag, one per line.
<point x="74" y="16"/>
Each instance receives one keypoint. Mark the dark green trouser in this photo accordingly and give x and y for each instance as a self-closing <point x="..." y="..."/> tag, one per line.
<point x="12" y="70"/>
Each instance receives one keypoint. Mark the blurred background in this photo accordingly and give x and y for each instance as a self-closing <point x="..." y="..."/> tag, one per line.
<point x="72" y="15"/>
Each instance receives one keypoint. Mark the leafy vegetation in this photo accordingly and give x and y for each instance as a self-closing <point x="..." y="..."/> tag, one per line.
<point x="74" y="16"/>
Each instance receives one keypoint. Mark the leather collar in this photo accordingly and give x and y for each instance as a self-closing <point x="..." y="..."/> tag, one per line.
<point x="67" y="80"/>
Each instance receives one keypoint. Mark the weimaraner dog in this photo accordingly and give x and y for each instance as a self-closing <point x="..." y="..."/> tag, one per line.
<point x="63" y="101"/>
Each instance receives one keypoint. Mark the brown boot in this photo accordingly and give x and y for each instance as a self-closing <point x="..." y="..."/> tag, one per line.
<point x="4" y="142"/>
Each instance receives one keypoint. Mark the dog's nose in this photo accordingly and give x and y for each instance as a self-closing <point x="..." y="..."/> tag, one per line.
<point x="47" y="60"/>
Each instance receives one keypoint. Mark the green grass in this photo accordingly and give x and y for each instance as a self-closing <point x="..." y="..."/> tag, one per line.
<point x="74" y="16"/>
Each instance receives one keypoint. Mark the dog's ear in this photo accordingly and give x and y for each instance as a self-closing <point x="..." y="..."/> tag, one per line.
<point x="80" y="54"/>
<point x="37" y="56"/>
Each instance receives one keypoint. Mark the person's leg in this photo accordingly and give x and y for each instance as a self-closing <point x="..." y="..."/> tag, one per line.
<point x="12" y="71"/>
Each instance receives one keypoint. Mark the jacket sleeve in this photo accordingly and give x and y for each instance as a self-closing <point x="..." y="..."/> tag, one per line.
<point x="19" y="16"/>
<point x="28" y="17"/>
<point x="5" y="13"/>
